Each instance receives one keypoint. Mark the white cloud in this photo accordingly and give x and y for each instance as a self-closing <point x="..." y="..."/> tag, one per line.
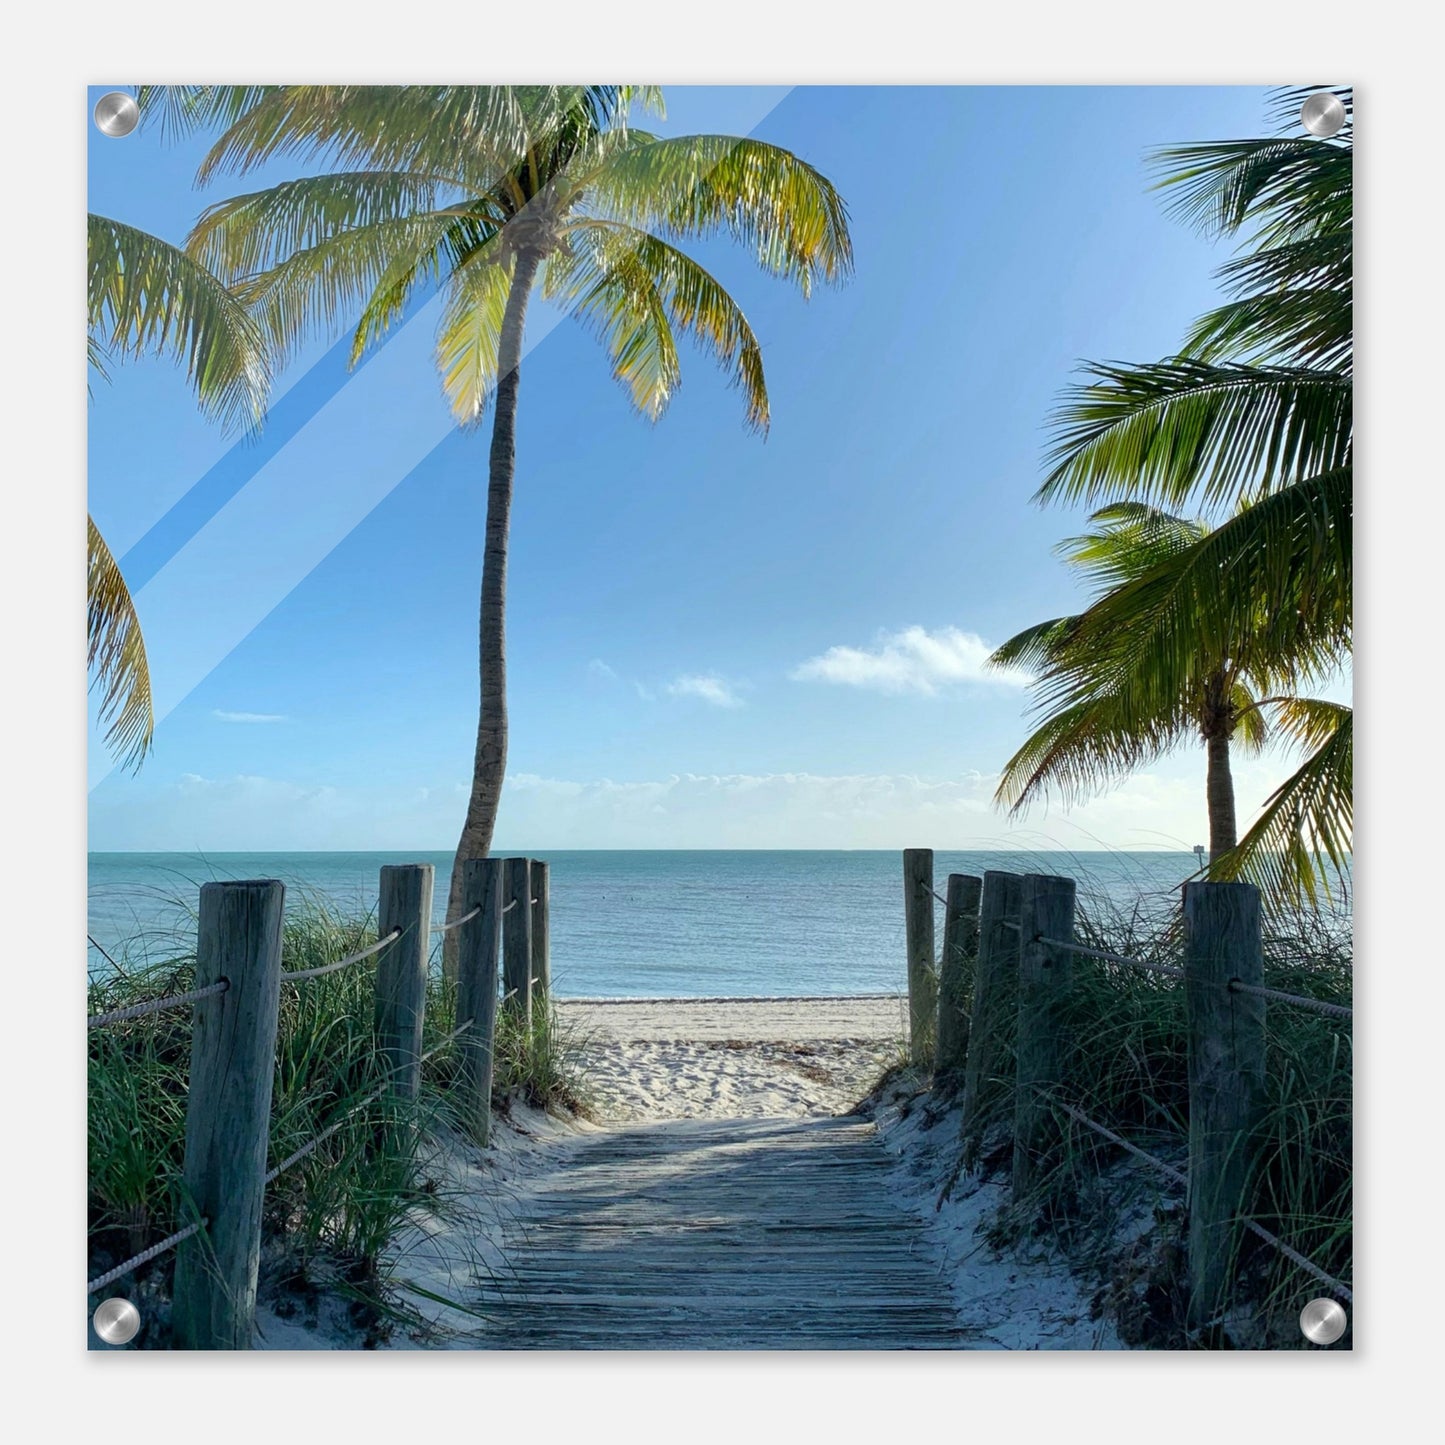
<point x="913" y="660"/>
<point x="247" y="717"/>
<point x="707" y="686"/>
<point x="598" y="668"/>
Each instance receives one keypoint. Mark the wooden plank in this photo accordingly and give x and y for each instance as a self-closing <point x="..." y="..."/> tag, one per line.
<point x="955" y="971"/>
<point x="228" y="1113"/>
<point x="720" y="1234"/>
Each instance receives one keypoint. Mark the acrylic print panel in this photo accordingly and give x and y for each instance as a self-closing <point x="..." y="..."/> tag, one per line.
<point x="720" y="720"/>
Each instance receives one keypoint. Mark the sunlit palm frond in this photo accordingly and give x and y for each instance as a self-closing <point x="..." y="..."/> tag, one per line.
<point x="1162" y="431"/>
<point x="470" y="333"/>
<point x="637" y="291"/>
<point x="318" y="292"/>
<point x="786" y="212"/>
<point x="183" y="110"/>
<point x="247" y="234"/>
<point x="116" y="655"/>
<point x="1300" y="845"/>
<point x="148" y="296"/>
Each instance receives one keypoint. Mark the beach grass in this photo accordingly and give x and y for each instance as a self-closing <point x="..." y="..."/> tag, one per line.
<point x="1127" y="1069"/>
<point x="332" y="1216"/>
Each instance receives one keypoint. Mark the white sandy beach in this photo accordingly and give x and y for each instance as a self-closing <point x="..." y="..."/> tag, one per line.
<point x="733" y="1058"/>
<point x="675" y="1064"/>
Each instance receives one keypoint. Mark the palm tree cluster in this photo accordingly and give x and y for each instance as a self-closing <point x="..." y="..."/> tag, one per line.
<point x="1212" y="629"/>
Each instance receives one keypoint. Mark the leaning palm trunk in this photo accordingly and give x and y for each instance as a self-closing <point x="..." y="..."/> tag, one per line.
<point x="489" y="763"/>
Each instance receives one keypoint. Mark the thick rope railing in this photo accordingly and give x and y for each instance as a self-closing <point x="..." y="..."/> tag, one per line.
<point x="1296" y="1258"/>
<point x="144" y="1257"/>
<point x="155" y="1005"/>
<point x="456" y="922"/>
<point x="172" y="1240"/>
<point x="1109" y="957"/>
<point x="297" y="974"/>
<point x="1333" y="1010"/>
<point x="312" y="1145"/>
<point x="1315" y="1005"/>
<point x="1178" y="1177"/>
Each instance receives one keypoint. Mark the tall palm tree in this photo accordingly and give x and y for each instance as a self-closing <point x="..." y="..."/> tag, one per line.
<point x="493" y="193"/>
<point x="1256" y="409"/>
<point x="1102" y="715"/>
<point x="145" y="295"/>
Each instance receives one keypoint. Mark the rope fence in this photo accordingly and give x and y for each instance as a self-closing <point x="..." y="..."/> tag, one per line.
<point x="1001" y="1023"/>
<point x="456" y="922"/>
<point x="1333" y="1010"/>
<point x="311" y="1146"/>
<point x="144" y="1257"/>
<point x="1177" y="1177"/>
<point x="295" y="975"/>
<point x="1315" y="1005"/>
<point x="228" y="1097"/>
<point x="155" y="1005"/>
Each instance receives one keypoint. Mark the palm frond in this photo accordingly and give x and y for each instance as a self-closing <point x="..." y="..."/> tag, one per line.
<point x="635" y="290"/>
<point x="247" y="234"/>
<point x="148" y="296"/>
<point x="786" y="212"/>
<point x="1160" y="431"/>
<point x="1310" y="327"/>
<point x="1081" y="750"/>
<point x="116" y="655"/>
<point x="1300" y="844"/>
<point x="469" y="335"/>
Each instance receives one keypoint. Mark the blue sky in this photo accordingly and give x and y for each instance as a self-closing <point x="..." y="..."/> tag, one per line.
<point x="714" y="640"/>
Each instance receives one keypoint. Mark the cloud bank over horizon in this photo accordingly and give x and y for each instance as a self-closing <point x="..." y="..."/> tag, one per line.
<point x="250" y="813"/>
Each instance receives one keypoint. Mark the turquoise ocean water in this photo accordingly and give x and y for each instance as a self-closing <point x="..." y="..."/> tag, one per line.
<point x="640" y="924"/>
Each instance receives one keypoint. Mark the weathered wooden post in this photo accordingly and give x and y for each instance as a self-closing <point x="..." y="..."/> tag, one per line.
<point x="1045" y="972"/>
<point x="918" y="927"/>
<point x="479" y="955"/>
<point x="406" y="895"/>
<point x="993" y="1023"/>
<point x="228" y="1112"/>
<point x="517" y="937"/>
<point x="541" y="932"/>
<point x="955" y="970"/>
<point x="1222" y="943"/>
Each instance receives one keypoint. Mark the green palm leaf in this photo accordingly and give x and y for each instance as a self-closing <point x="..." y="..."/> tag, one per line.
<point x="116" y="655"/>
<point x="148" y="296"/>
<point x="1300" y="844"/>
<point x="787" y="213"/>
<point x="1165" y="430"/>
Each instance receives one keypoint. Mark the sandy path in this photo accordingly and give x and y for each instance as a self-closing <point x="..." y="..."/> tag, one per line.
<point x="709" y="1113"/>
<point x="732" y="1058"/>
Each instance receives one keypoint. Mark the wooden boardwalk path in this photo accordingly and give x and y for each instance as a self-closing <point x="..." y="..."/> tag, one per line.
<point x="745" y="1234"/>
